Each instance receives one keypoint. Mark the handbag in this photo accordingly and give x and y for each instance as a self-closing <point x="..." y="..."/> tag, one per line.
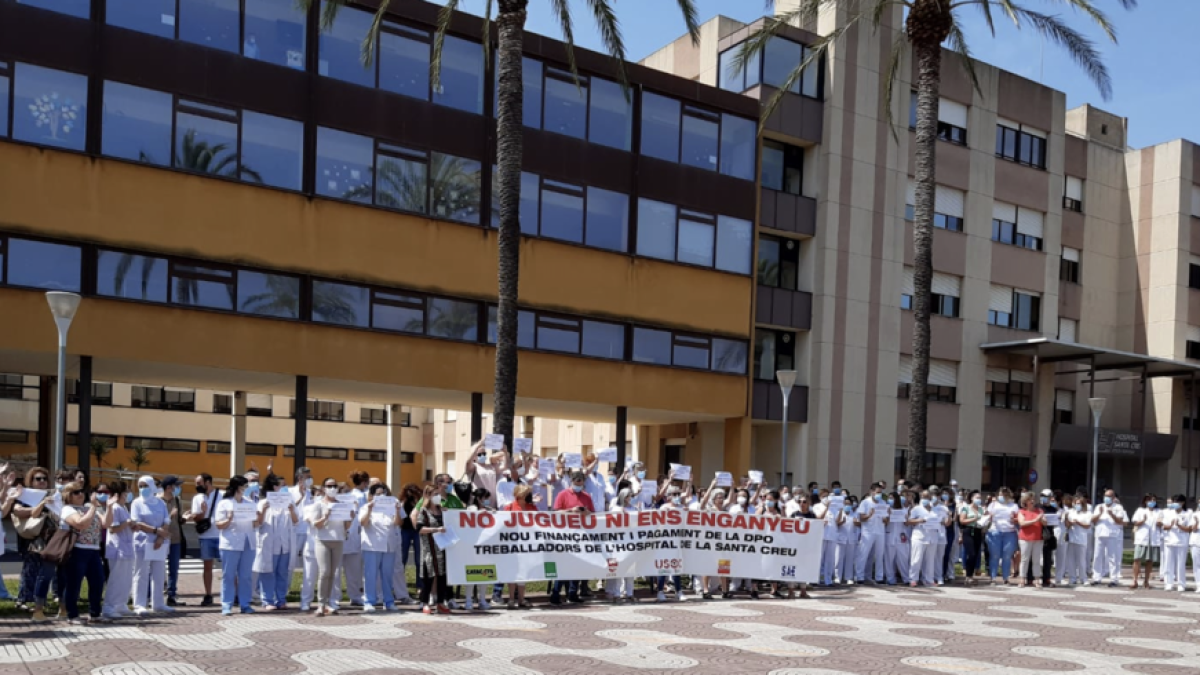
<point x="59" y="548"/>
<point x="205" y="524"/>
<point x="29" y="528"/>
<point x="463" y="489"/>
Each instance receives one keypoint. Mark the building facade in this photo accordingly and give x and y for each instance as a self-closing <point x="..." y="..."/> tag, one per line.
<point x="247" y="209"/>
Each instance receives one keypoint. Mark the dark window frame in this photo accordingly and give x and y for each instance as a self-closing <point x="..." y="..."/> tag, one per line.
<point x="784" y="257"/>
<point x="314" y="407"/>
<point x="1192" y="349"/>
<point x="761" y="64"/>
<point x="162" y="402"/>
<point x="791" y="153"/>
<point x="98" y="395"/>
<point x="160" y="444"/>
<point x="1004" y="232"/>
<point x="701" y="112"/>
<point x="1004" y="394"/>
<point x="790" y="348"/>
<point x="313" y="452"/>
<point x="1038" y="147"/>
<point x="1193" y="276"/>
<point x="933" y="393"/>
<point x="1068" y="270"/>
<point x="1072" y="204"/>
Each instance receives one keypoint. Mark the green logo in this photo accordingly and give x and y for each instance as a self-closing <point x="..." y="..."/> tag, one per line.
<point x="481" y="573"/>
<point x="551" y="570"/>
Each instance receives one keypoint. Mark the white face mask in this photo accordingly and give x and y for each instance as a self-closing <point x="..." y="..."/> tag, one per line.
<point x="436" y="500"/>
<point x="741" y="501"/>
<point x="308" y="482"/>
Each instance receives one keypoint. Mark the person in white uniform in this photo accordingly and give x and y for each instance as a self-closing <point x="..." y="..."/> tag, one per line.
<point x="897" y="551"/>
<point x="873" y="513"/>
<point x="1110" y="519"/>
<point x="1175" y="544"/>
<point x="925" y="525"/>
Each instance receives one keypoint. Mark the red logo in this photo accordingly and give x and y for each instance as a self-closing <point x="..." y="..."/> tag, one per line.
<point x="612" y="565"/>
<point x="722" y="567"/>
<point x="668" y="564"/>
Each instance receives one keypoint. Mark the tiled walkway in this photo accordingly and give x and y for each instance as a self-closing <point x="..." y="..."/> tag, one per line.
<point x="997" y="631"/>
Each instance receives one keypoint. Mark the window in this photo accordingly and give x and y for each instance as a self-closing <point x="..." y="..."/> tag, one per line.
<point x="163" y="398"/>
<point x="371" y="455"/>
<point x="948" y="206"/>
<point x="1194" y="271"/>
<point x="1068" y="329"/>
<point x="565" y="108"/>
<point x="326" y="411"/>
<point x="12" y="386"/>
<point x="72" y="440"/>
<point x="591" y="108"/>
<point x="15" y="436"/>
<point x="1073" y="194"/>
<point x="739" y="80"/>
<point x="1018" y="226"/>
<point x="453" y="319"/>
<point x="1000" y="306"/>
<point x="771" y="67"/>
<point x="77" y="8"/>
<point x="1068" y="269"/>
<point x="356" y="168"/>
<point x="1003" y="471"/>
<point x="603" y="340"/>
<point x="652" y="346"/>
<point x="49" y="107"/>
<point x="782" y="167"/>
<point x="348" y="305"/>
<point x="136" y="124"/>
<point x="1196" y="201"/>
<point x="697" y="137"/>
<point x="222" y="404"/>
<point x="1192" y="347"/>
<point x="1021" y="144"/>
<point x="729" y="356"/>
<point x="945" y="290"/>
<point x="778" y="262"/>
<point x="1064" y="406"/>
<point x="1028" y="311"/>
<point x="691" y="352"/>
<point x="267" y="30"/>
<point x="773" y="351"/>
<point x="40" y="264"/>
<point x="202" y="286"/>
<point x="372" y="415"/>
<point x="341" y="304"/>
<point x="156" y="17"/>
<point x="5" y="87"/>
<point x="165" y="444"/>
<point x="670" y="233"/>
<point x="101" y="392"/>
<point x="317" y="453"/>
<point x="951" y="123"/>
<point x="941" y="385"/>
<point x="1012" y="389"/>
<point x="936" y="467"/>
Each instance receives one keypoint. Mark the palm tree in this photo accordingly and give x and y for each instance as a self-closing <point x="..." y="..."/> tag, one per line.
<point x="100" y="450"/>
<point x="447" y="186"/>
<point x="510" y="30"/>
<point x="201" y="157"/>
<point x="140" y="456"/>
<point x="930" y="25"/>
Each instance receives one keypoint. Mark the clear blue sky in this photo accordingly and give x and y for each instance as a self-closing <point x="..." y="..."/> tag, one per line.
<point x="1155" y="68"/>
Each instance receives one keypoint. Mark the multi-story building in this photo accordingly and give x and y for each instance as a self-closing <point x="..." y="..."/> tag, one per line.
<point x="245" y="208"/>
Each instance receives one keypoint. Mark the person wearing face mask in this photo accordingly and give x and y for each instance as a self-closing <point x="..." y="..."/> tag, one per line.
<point x="1079" y="523"/>
<point x="873" y="513"/>
<point x="477" y="594"/>
<point x="620" y="589"/>
<point x="1002" y="536"/>
<point x="1048" y="505"/>
<point x="434" y="591"/>
<point x="714" y="500"/>
<point x="204" y="505"/>
<point x="1193" y="530"/>
<point x="1110" y="519"/>
<point x="1065" y="504"/>
<point x="380" y="542"/>
<point x="897" y="552"/>
<point x="88" y="518"/>
<point x="172" y="488"/>
<point x="151" y="543"/>
<point x="938" y="504"/>
<point x="830" y="519"/>
<point x="480" y="471"/>
<point x="673" y="502"/>
<point x="119" y="553"/>
<point x="575" y="500"/>
<point x="522" y="501"/>
<point x="331" y="531"/>
<point x="925" y="526"/>
<point x="1173" y="522"/>
<point x="410" y="542"/>
<point x="1145" y="523"/>
<point x="352" y="557"/>
<point x="847" y="544"/>
<point x="1030" y="521"/>
<point x="303" y="553"/>
<point x="237" y="530"/>
<point x="273" y="542"/>
<point x="971" y="521"/>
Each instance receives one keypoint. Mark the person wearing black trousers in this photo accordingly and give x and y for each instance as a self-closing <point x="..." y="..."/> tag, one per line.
<point x="1049" y="541"/>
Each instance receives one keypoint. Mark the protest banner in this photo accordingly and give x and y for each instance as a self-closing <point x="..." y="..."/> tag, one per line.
<point x="523" y="445"/>
<point x="522" y="546"/>
<point x="607" y="454"/>
<point x="493" y="442"/>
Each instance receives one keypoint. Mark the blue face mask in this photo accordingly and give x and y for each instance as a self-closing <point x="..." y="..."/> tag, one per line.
<point x="769" y="504"/>
<point x="1173" y="507"/>
<point x="977" y="501"/>
<point x="945" y="497"/>
<point x="178" y="490"/>
<point x="849" y="510"/>
<point x="146" y="492"/>
<point x="1108" y="501"/>
<point x="903" y="500"/>
<point x="577" y="488"/>
<point x="283" y="490"/>
<point x="837" y="491"/>
<point x="103" y="499"/>
<point x="1054" y="504"/>
<point x="449" y="488"/>
<point x="612" y="480"/>
<point x="1045" y="500"/>
<point x="1152" y="504"/>
<point x="641" y="475"/>
<point x="128" y="497"/>
<point x="1079" y="507"/>
<point x="925" y="503"/>
<point x="676" y="500"/>
<point x="878" y="497"/>
<point x="816" y="492"/>
<point x="252" y="489"/>
<point x="1002" y="499"/>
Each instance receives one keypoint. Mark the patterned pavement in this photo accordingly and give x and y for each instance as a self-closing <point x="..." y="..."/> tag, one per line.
<point x="993" y="630"/>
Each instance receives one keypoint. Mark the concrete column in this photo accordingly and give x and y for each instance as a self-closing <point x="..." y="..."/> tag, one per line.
<point x="237" y="435"/>
<point x="45" y="438"/>
<point x="84" y="431"/>
<point x="476" y="417"/>
<point x="622" y="425"/>
<point x="1043" y="383"/>
<point x="737" y="446"/>
<point x="395" y="444"/>
<point x="300" y="436"/>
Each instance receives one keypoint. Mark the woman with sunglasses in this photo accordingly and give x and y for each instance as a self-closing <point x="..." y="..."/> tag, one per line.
<point x="37" y="574"/>
<point x="88" y="518"/>
<point x="118" y="552"/>
<point x="331" y="537"/>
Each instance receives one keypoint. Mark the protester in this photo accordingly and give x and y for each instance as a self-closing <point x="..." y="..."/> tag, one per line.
<point x="171" y="489"/>
<point x="673" y="502"/>
<point x="873" y="514"/>
<point x="1030" y="520"/>
<point x="1174" y="526"/>
<point x="88" y="519"/>
<point x="380" y="541"/>
<point x="714" y="500"/>
<point x="1145" y="524"/>
<point x="1193" y="528"/>
<point x="237" y="531"/>
<point x="352" y="558"/>
<point x="1048" y="504"/>
<point x="274" y="540"/>
<point x="477" y="594"/>
<point x="847" y="551"/>
<point x="304" y="549"/>
<point x="925" y="524"/>
<point x="119" y="552"/>
<point x="151" y="544"/>
<point x="410" y="542"/>
<point x="522" y="501"/>
<point x="330" y="537"/>
<point x="578" y="501"/>
<point x="898" y="552"/>
<point x="945" y="516"/>
<point x="1080" y="520"/>
<point x="971" y="518"/>
<point x="204" y="505"/>
<point x="1109" y="522"/>
<point x="620" y="589"/>
<point x="1002" y="537"/>
<point x="435" y="593"/>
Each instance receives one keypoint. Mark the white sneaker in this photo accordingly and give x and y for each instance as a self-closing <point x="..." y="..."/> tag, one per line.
<point x="368" y="608"/>
<point x="470" y="605"/>
<point x="165" y="608"/>
<point x="483" y="605"/>
<point x="679" y="596"/>
<point x="662" y="597"/>
<point x="305" y="608"/>
<point x="140" y="611"/>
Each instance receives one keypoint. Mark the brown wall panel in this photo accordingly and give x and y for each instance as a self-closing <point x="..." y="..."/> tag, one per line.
<point x="1070" y="304"/>
<point x="1072" y="229"/>
<point x="942" y="427"/>
<point x="767" y="403"/>
<point x="1193" y="306"/>
<point x="694" y="188"/>
<point x="1025" y="101"/>
<point x="953" y="163"/>
<point x="1076" y="162"/>
<point x="1020" y="268"/>
<point x="781" y="307"/>
<point x="788" y="212"/>
<point x="1022" y="185"/>
<point x="945" y="336"/>
<point x="1007" y="432"/>
<point x="24" y="33"/>
<point x="949" y="250"/>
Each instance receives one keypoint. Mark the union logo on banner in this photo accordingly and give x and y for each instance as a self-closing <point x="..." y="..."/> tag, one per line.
<point x="612" y="567"/>
<point x="722" y="567"/>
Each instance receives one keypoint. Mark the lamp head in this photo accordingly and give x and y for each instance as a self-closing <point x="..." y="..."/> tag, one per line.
<point x="786" y="379"/>
<point x="1097" y="405"/>
<point x="62" y="304"/>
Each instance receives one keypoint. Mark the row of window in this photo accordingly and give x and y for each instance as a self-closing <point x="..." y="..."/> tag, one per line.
<point x="56" y="266"/>
<point x="933" y="393"/>
<point x="1021" y="143"/>
<point x="952" y="119"/>
<point x="772" y="67"/>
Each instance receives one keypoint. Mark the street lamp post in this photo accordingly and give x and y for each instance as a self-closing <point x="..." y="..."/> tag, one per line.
<point x="63" y="306"/>
<point x="787" y="380"/>
<point x="1097" y="406"/>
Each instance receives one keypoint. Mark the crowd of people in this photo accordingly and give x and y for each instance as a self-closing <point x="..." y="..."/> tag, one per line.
<point x="126" y="540"/>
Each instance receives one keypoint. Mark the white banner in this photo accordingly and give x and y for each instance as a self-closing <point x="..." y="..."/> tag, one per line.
<point x="521" y="546"/>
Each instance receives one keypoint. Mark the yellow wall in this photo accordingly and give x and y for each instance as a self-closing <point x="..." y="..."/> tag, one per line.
<point x="75" y="197"/>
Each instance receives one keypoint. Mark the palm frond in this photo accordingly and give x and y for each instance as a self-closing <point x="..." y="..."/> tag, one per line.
<point x="562" y="10"/>
<point x="1089" y="9"/>
<point x="371" y="39"/>
<point x="817" y="51"/>
<point x="958" y="45"/>
<point x="1081" y="49"/>
<point x="445" y="14"/>
<point x="486" y="41"/>
<point x="755" y="45"/>
<point x="688" y="9"/>
<point x="893" y="74"/>
<point x="610" y="34"/>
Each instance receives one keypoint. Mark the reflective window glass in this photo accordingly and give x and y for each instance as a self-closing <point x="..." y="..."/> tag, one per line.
<point x="341" y="47"/>
<point x="699" y="147"/>
<point x="268" y="294"/>
<point x="136" y="277"/>
<point x="212" y="23"/>
<point x="731" y="78"/>
<point x="690" y="352"/>
<point x="525" y="329"/>
<point x="530" y="187"/>
<point x="605" y="340"/>
<point x="695" y="242"/>
<point x="562" y="214"/>
<point x="768" y="261"/>
<point x="275" y="32"/>
<point x="404" y="62"/>
<point x="454" y="187"/>
<point x="344" y="165"/>
<point x="660" y="127"/>
<point x="461" y="84"/>
<point x="50" y="107"/>
<point x="782" y="57"/>
<point x="342" y="304"/>
<point x="400" y="183"/>
<point x="738" y="136"/>
<point x="607" y="219"/>
<point x="772" y="165"/>
<point x="558" y="335"/>
<point x="610" y="113"/>
<point x="652" y="346"/>
<point x="656" y="229"/>
<point x="729" y="356"/>
<point x="156" y="17"/>
<point x="810" y="82"/>
<point x="531" y="77"/>
<point x="565" y="110"/>
<point x="206" y="145"/>
<point x="734" y="243"/>
<point x="40" y="264"/>
<point x="136" y="124"/>
<point x="272" y="150"/>
<point x="4" y="84"/>
<point x="79" y="8"/>
<point x="202" y="287"/>
<point x="398" y="312"/>
<point x="453" y="319"/>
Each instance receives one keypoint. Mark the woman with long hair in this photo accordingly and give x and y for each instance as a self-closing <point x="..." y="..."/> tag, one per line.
<point x="379" y="544"/>
<point x="237" y="530"/>
<point x="410" y="541"/>
<point x="433" y="560"/>
<point x="274" y="540"/>
<point x="522" y="501"/>
<point x="971" y="521"/>
<point x="89" y="519"/>
<point x="1146" y="539"/>
<point x="1030" y="520"/>
<point x="36" y="574"/>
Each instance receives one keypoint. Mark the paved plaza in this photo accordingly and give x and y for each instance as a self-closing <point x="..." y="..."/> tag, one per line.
<point x="996" y="631"/>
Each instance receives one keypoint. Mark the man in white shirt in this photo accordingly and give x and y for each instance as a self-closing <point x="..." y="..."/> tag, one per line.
<point x="873" y="514"/>
<point x="1109" y="524"/>
<point x="204" y="506"/>
<point x="925" y="525"/>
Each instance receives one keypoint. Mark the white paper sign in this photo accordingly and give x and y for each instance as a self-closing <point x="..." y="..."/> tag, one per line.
<point x="1052" y="519"/>
<point x="152" y="554"/>
<point x="724" y="479"/>
<point x="756" y="477"/>
<point x="341" y="512"/>
<point x="607" y="454"/>
<point x="384" y="506"/>
<point x="836" y="503"/>
<point x="245" y="512"/>
<point x="493" y="442"/>
<point x="31" y="497"/>
<point x="681" y="472"/>
<point x="445" y="540"/>
<point x="505" y="491"/>
<point x="279" y="501"/>
<point x="573" y="460"/>
<point x="523" y="445"/>
<point x="545" y="469"/>
<point x="649" y="490"/>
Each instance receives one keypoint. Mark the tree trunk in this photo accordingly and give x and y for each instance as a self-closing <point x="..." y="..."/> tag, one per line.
<point x="929" y="62"/>
<point x="509" y="151"/>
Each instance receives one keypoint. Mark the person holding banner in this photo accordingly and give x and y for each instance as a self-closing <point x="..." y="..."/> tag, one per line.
<point x="620" y="589"/>
<point x="327" y="518"/>
<point x="522" y="501"/>
<point x="714" y="500"/>
<point x="380" y="520"/>
<point x="897" y="553"/>
<point x="481" y="472"/>
<point x="151" y="543"/>
<point x="275" y="538"/>
<point x="673" y="502"/>
<point x="433" y="559"/>
<point x="574" y="500"/>
<point x="481" y="500"/>
<point x="236" y="520"/>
